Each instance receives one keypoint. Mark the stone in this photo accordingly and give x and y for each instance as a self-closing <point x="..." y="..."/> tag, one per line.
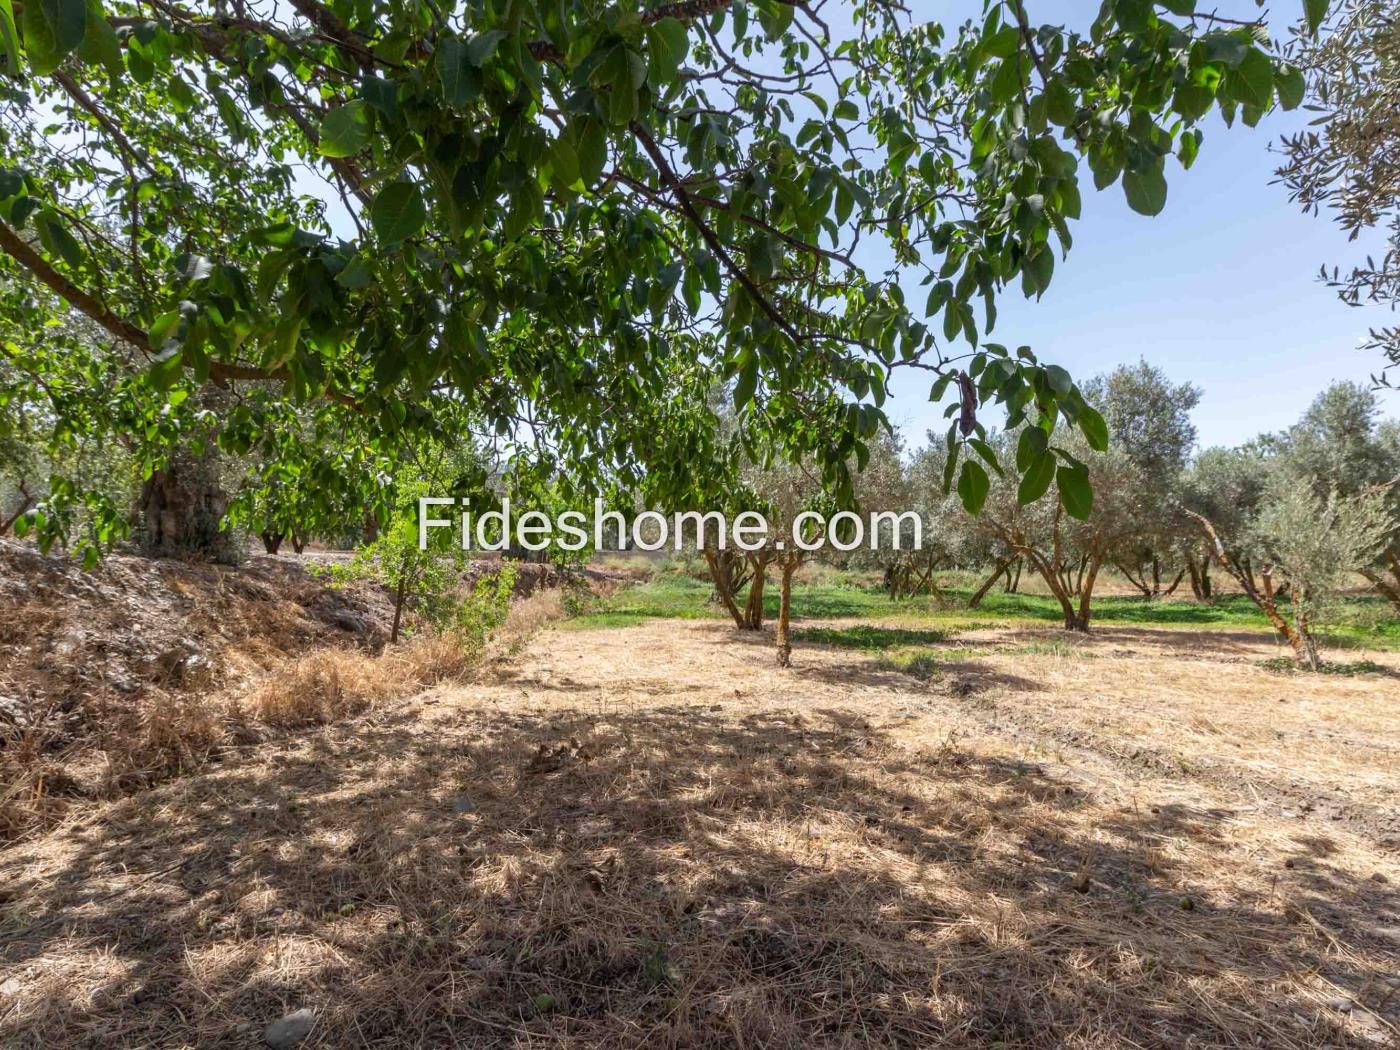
<point x="286" y="1032"/>
<point x="349" y="620"/>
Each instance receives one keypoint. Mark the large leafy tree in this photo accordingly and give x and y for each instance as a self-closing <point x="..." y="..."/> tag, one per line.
<point x="518" y="216"/>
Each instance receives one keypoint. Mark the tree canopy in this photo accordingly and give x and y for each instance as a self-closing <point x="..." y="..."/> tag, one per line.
<point x="555" y="221"/>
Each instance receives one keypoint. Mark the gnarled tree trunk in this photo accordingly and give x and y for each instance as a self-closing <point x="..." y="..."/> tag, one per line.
<point x="180" y="511"/>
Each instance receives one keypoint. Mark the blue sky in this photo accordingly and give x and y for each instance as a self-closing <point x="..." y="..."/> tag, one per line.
<point x="1219" y="290"/>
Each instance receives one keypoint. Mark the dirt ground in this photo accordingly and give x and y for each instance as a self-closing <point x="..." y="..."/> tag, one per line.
<point x="651" y="836"/>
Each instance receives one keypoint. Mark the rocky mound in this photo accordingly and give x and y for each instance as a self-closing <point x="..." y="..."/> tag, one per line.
<point x="134" y="624"/>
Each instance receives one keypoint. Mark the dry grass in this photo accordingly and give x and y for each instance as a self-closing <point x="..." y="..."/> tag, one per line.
<point x="652" y="838"/>
<point x="138" y="741"/>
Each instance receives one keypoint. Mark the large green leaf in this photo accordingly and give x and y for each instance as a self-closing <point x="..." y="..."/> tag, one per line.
<point x="1314" y="11"/>
<point x="9" y="36"/>
<point x="1146" y="190"/>
<point x="398" y="212"/>
<point x="345" y="131"/>
<point x="52" y="28"/>
<point x="459" y="75"/>
<point x="973" y="486"/>
<point x="1036" y="479"/>
<point x="1252" y="82"/>
<point x="1094" y="428"/>
<point x="1076" y="494"/>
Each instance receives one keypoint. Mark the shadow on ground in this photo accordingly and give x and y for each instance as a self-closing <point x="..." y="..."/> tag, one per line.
<point x="664" y="878"/>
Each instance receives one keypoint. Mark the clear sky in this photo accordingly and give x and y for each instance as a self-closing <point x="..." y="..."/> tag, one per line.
<point x="1220" y="289"/>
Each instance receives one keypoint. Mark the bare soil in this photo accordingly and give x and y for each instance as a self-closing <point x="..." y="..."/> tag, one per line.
<point x="651" y="836"/>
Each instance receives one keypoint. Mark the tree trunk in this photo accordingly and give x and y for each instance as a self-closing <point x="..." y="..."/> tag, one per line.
<point x="181" y="510"/>
<point x="1195" y="578"/>
<point x="722" y="576"/>
<point x="399" y="594"/>
<point x="25" y="502"/>
<point x="1013" y="583"/>
<point x="271" y="541"/>
<point x="790" y="563"/>
<point x="753" y="608"/>
<point x="1086" y="594"/>
<point x="298" y="542"/>
<point x="987" y="584"/>
<point x="1156" y="576"/>
<point x="1174" y="585"/>
<point x="1388" y="590"/>
<point x="1299" y="639"/>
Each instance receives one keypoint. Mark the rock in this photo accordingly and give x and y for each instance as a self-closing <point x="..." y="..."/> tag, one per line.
<point x="1377" y="876"/>
<point x="462" y="804"/>
<point x="349" y="620"/>
<point x="288" y="1031"/>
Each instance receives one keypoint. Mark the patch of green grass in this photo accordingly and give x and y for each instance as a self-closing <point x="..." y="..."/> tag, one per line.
<point x="1360" y="621"/>
<point x="917" y="663"/>
<point x="868" y="636"/>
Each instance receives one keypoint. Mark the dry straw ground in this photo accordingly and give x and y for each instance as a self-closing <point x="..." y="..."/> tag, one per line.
<point x="651" y="837"/>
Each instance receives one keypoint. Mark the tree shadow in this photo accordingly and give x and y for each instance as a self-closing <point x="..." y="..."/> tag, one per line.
<point x="664" y="877"/>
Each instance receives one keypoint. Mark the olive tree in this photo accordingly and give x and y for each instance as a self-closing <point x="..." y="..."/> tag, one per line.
<point x="1347" y="160"/>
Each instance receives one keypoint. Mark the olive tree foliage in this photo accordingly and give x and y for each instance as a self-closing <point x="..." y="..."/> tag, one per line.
<point x="1297" y="514"/>
<point x="1348" y="160"/>
<point x="1341" y="446"/>
<point x="1310" y="542"/>
<point x="544" y="208"/>
<point x="1225" y="485"/>
<point x="1067" y="551"/>
<point x="1149" y="422"/>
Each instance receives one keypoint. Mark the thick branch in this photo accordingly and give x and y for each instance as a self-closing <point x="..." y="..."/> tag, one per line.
<point x="674" y="184"/>
<point x="18" y="249"/>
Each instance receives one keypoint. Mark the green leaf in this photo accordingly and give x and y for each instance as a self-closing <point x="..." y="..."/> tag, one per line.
<point x="1146" y="191"/>
<point x="398" y="212"/>
<point x="345" y="131"/>
<point x="381" y="94"/>
<point x="985" y="451"/>
<point x="1314" y="11"/>
<point x="1094" y="427"/>
<point x="284" y="341"/>
<point x="461" y="81"/>
<point x="591" y="145"/>
<point x="52" y="28"/>
<point x="100" y="45"/>
<point x="483" y="45"/>
<point x="1076" y="494"/>
<point x="667" y="46"/>
<point x="748" y="380"/>
<point x="563" y="165"/>
<point x="973" y="486"/>
<point x="57" y="240"/>
<point x="1253" y="81"/>
<point x="9" y="37"/>
<point x="1291" y="87"/>
<point x="1039" y="472"/>
<point x="1030" y="446"/>
<point x="951" y="463"/>
<point x="355" y="276"/>
<point x="1059" y="380"/>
